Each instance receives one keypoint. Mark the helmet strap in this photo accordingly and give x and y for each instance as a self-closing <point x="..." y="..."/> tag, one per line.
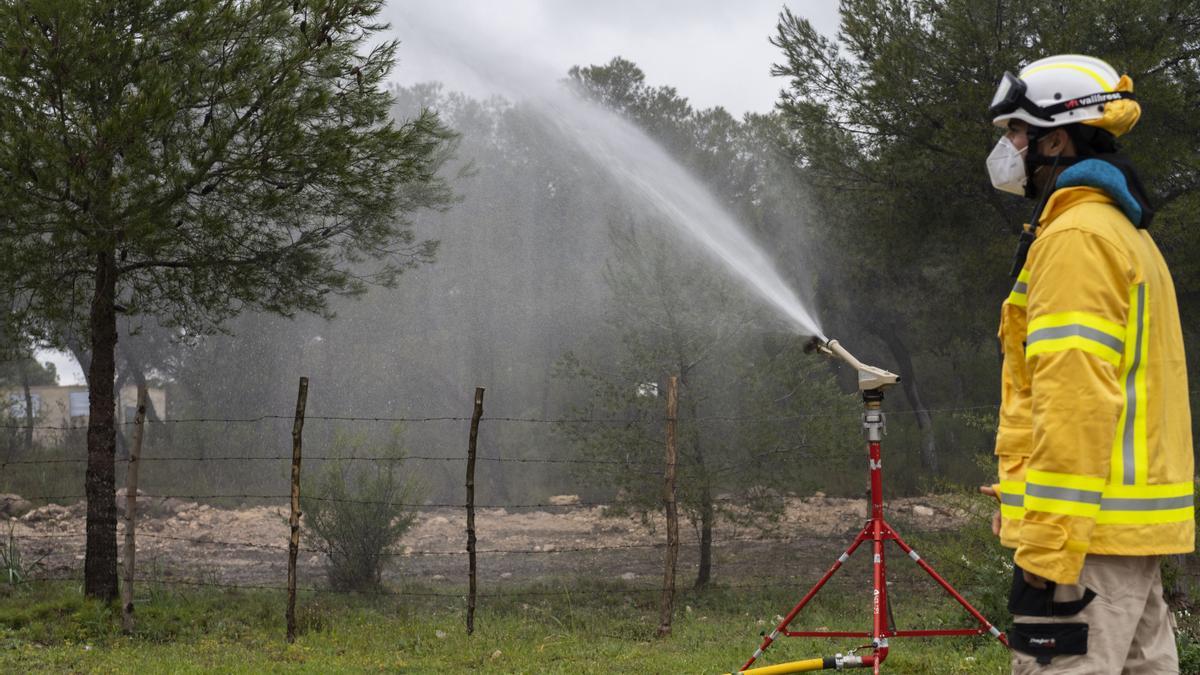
<point x="1035" y="160"/>
<point x="1029" y="234"/>
<point x="1083" y="101"/>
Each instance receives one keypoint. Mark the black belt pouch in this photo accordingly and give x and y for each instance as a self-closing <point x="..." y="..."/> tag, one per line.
<point x="1047" y="640"/>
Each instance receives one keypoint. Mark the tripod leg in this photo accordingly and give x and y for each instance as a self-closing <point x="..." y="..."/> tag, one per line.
<point x="880" y="603"/>
<point x="864" y="535"/>
<point x="995" y="632"/>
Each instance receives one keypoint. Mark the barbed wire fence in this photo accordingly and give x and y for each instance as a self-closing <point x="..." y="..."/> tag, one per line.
<point x="289" y="548"/>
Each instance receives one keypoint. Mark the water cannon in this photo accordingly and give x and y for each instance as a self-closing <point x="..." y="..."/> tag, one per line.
<point x="876" y="532"/>
<point x="870" y="378"/>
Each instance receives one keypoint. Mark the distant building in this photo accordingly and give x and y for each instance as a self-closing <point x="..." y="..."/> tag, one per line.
<point x="60" y="408"/>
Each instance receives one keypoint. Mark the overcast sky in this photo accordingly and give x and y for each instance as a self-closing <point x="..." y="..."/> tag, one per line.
<point x="715" y="52"/>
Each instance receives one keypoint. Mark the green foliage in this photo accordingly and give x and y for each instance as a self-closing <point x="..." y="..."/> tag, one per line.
<point x="359" y="509"/>
<point x="981" y="569"/>
<point x="60" y="474"/>
<point x="19" y="370"/>
<point x="15" y="568"/>
<point x="221" y="173"/>
<point x="1188" y="646"/>
<point x="19" y="412"/>
<point x="187" y="160"/>
<point x="598" y="630"/>
<point x="888" y="120"/>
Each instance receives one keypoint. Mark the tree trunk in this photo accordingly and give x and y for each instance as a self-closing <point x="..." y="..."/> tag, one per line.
<point x="908" y="381"/>
<point x="707" y="514"/>
<point x="100" y="562"/>
<point x="704" y="575"/>
<point x="666" y="606"/>
<point x="138" y="372"/>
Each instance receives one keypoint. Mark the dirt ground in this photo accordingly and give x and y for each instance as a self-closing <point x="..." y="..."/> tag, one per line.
<point x="248" y="546"/>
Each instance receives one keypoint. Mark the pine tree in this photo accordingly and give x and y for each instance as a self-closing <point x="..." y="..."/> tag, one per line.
<point x="188" y="159"/>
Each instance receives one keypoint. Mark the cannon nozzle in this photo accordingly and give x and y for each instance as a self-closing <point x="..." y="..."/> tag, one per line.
<point x="869" y="377"/>
<point x="817" y="344"/>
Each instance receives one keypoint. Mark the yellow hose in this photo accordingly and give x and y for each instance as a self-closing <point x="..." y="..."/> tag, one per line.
<point x="783" y="668"/>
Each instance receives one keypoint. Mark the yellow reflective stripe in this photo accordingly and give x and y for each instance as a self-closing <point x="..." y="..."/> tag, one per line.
<point x="1012" y="487"/>
<point x="1141" y="452"/>
<point x="1012" y="499"/>
<point x="1071" y="481"/>
<point x="1063" y="506"/>
<point x="1012" y="512"/>
<point x="1115" y="491"/>
<point x="1079" y="342"/>
<point x="1065" y="493"/>
<point x="1129" y="452"/>
<point x="1020" y="291"/>
<point x="1086" y="332"/>
<point x="1147" y="504"/>
<point x="1109" y="491"/>
<point x="1115" y="504"/>
<point x="1081" y="319"/>
<point x="1104" y="85"/>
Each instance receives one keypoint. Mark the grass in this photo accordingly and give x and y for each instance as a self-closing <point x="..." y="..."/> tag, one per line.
<point x="595" y="629"/>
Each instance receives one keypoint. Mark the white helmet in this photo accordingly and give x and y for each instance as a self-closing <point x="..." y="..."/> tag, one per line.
<point x="1067" y="89"/>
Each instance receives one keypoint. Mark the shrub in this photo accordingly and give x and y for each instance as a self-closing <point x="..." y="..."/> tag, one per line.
<point x="359" y="509"/>
<point x="1188" y="647"/>
<point x="14" y="566"/>
<point x="971" y="556"/>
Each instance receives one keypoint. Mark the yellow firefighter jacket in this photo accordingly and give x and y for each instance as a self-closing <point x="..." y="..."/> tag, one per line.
<point x="1094" y="442"/>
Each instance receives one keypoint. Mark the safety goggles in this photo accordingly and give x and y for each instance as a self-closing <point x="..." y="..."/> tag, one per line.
<point x="1011" y="96"/>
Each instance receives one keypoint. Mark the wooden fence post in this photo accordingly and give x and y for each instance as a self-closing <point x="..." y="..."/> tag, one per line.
<point x="131" y="488"/>
<point x="294" y="520"/>
<point x="472" y="571"/>
<point x="667" y="604"/>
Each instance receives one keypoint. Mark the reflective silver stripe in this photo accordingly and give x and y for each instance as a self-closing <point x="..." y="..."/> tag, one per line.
<point x="1021" y="287"/>
<point x="1155" y="504"/>
<point x="1127" y="451"/>
<point x="1012" y="500"/>
<point x="1071" y="330"/>
<point x="994" y="631"/>
<point x="913" y="555"/>
<point x="843" y="558"/>
<point x="1065" y="494"/>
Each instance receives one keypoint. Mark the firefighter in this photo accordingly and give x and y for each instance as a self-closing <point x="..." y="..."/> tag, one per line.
<point x="1094" y="442"/>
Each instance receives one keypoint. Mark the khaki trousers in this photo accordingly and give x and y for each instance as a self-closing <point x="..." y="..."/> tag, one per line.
<point x="1130" y="628"/>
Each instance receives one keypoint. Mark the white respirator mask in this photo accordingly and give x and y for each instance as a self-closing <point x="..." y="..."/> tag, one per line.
<point x="1006" y="167"/>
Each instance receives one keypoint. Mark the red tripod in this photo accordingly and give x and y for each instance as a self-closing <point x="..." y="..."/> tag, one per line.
<point x="876" y="531"/>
